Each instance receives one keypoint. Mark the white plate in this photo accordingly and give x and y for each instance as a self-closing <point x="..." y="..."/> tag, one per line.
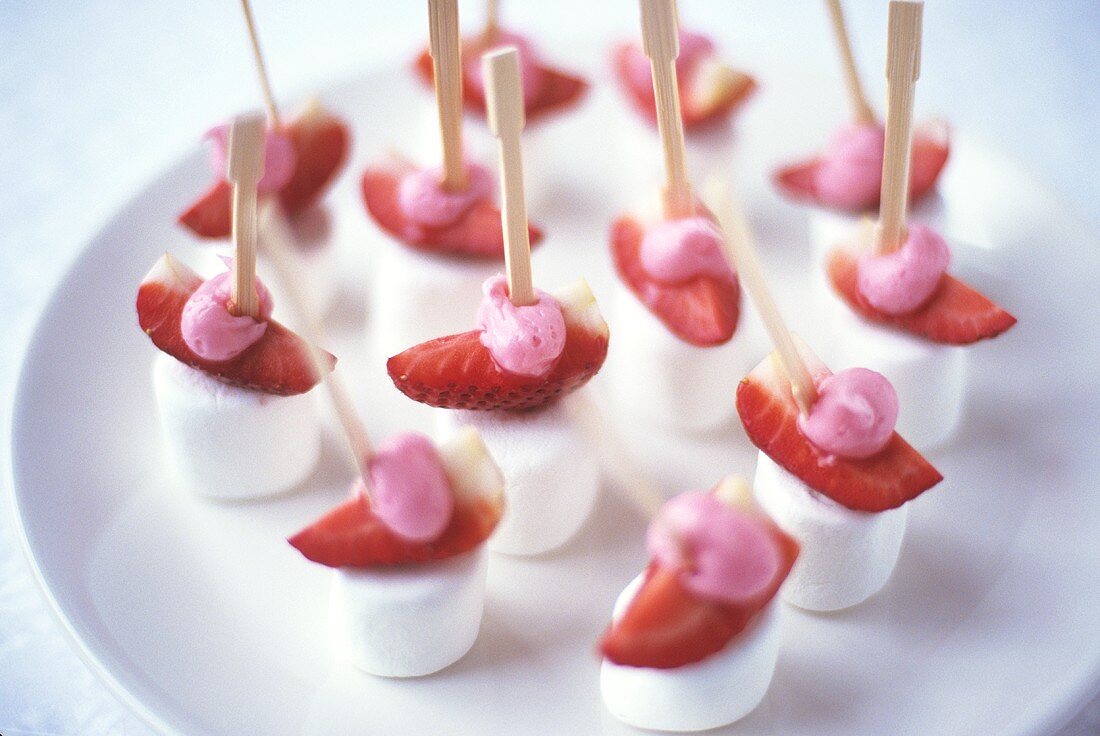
<point x="204" y="621"/>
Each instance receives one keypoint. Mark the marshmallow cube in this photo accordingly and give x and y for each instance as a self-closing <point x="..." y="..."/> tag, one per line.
<point x="659" y="377"/>
<point x="409" y="620"/>
<point x="847" y="556"/>
<point x="551" y="474"/>
<point x="419" y="296"/>
<point x="228" y="442"/>
<point x="713" y="692"/>
<point x="930" y="378"/>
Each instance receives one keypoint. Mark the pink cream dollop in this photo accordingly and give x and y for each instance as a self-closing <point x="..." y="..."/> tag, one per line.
<point x="722" y="554"/>
<point x="674" y="251"/>
<point x="280" y="157"/>
<point x="901" y="281"/>
<point x="531" y="75"/>
<point x="850" y="172"/>
<point x="694" y="47"/>
<point x="208" y="327"/>
<point x="854" y="415"/>
<point x="527" y="340"/>
<point x="424" y="200"/>
<point x="411" y="492"/>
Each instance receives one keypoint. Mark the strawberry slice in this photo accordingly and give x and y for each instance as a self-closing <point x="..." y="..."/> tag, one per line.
<point x="931" y="146"/>
<point x="724" y="94"/>
<point x="458" y="372"/>
<point x="321" y="141"/>
<point x="666" y="626"/>
<point x="478" y="234"/>
<point x="278" y="363"/>
<point x="897" y="474"/>
<point x="955" y="314"/>
<point x="702" y="311"/>
<point x="352" y="536"/>
<point x="559" y="91"/>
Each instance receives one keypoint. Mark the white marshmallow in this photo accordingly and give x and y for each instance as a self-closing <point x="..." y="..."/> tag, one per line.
<point x="420" y="296"/>
<point x="551" y="473"/>
<point x="718" y="690"/>
<point x="930" y="378"/>
<point x="846" y="556"/>
<point x="233" y="443"/>
<point x="409" y="620"/>
<point x="657" y="376"/>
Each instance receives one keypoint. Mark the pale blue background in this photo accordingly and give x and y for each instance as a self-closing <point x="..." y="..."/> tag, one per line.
<point x="99" y="95"/>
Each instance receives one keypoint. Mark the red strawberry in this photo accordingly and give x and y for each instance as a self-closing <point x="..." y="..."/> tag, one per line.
<point x="458" y="372"/>
<point x="666" y="626"/>
<point x="276" y="364"/>
<point x="931" y="146"/>
<point x="702" y="311"/>
<point x="321" y="141"/>
<point x="954" y="315"/>
<point x="352" y="536"/>
<point x="559" y="90"/>
<point x="703" y="100"/>
<point x="897" y="474"/>
<point x="478" y="234"/>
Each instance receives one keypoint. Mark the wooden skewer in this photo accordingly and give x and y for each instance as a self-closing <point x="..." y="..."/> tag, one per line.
<point x="504" y="95"/>
<point x="261" y="67"/>
<point x="492" y="20"/>
<point x="446" y="50"/>
<point x="277" y="242"/>
<point x="246" y="167"/>
<point x="739" y="249"/>
<point x="861" y="109"/>
<point x="902" y="70"/>
<point x="661" y="41"/>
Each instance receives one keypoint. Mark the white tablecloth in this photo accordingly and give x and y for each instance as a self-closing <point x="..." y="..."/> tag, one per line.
<point x="98" y="96"/>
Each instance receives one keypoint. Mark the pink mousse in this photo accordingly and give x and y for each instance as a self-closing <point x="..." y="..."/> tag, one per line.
<point x="409" y="486"/>
<point x="675" y="251"/>
<point x="854" y="415"/>
<point x="280" y="157"/>
<point x="424" y="200"/>
<point x="850" y="172"/>
<point x="211" y="331"/>
<point x="526" y="341"/>
<point x="530" y="69"/>
<point x="901" y="281"/>
<point x="694" y="47"/>
<point x="722" y="554"/>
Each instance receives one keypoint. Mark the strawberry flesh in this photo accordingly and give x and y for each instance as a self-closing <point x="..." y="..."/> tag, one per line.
<point x="931" y="146"/>
<point x="351" y="535"/>
<point x="559" y="91"/>
<point x="278" y="363"/>
<point x="666" y="626"/>
<point x="694" y="115"/>
<point x="886" y="480"/>
<point x="477" y="234"/>
<point x="321" y="142"/>
<point x="955" y="314"/>
<point x="701" y="311"/>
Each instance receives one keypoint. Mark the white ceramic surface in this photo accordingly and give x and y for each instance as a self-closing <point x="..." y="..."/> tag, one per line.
<point x="204" y="621"/>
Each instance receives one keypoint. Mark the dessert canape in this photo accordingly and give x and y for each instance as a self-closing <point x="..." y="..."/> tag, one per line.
<point x="711" y="92"/>
<point x="831" y="470"/>
<point x="409" y="583"/>
<point x="508" y="377"/>
<point x="549" y="92"/>
<point x="303" y="156"/>
<point x="843" y="181"/>
<point x="232" y="385"/>
<point x="682" y="344"/>
<point x="694" y="640"/>
<point x="445" y="231"/>
<point x="902" y="313"/>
